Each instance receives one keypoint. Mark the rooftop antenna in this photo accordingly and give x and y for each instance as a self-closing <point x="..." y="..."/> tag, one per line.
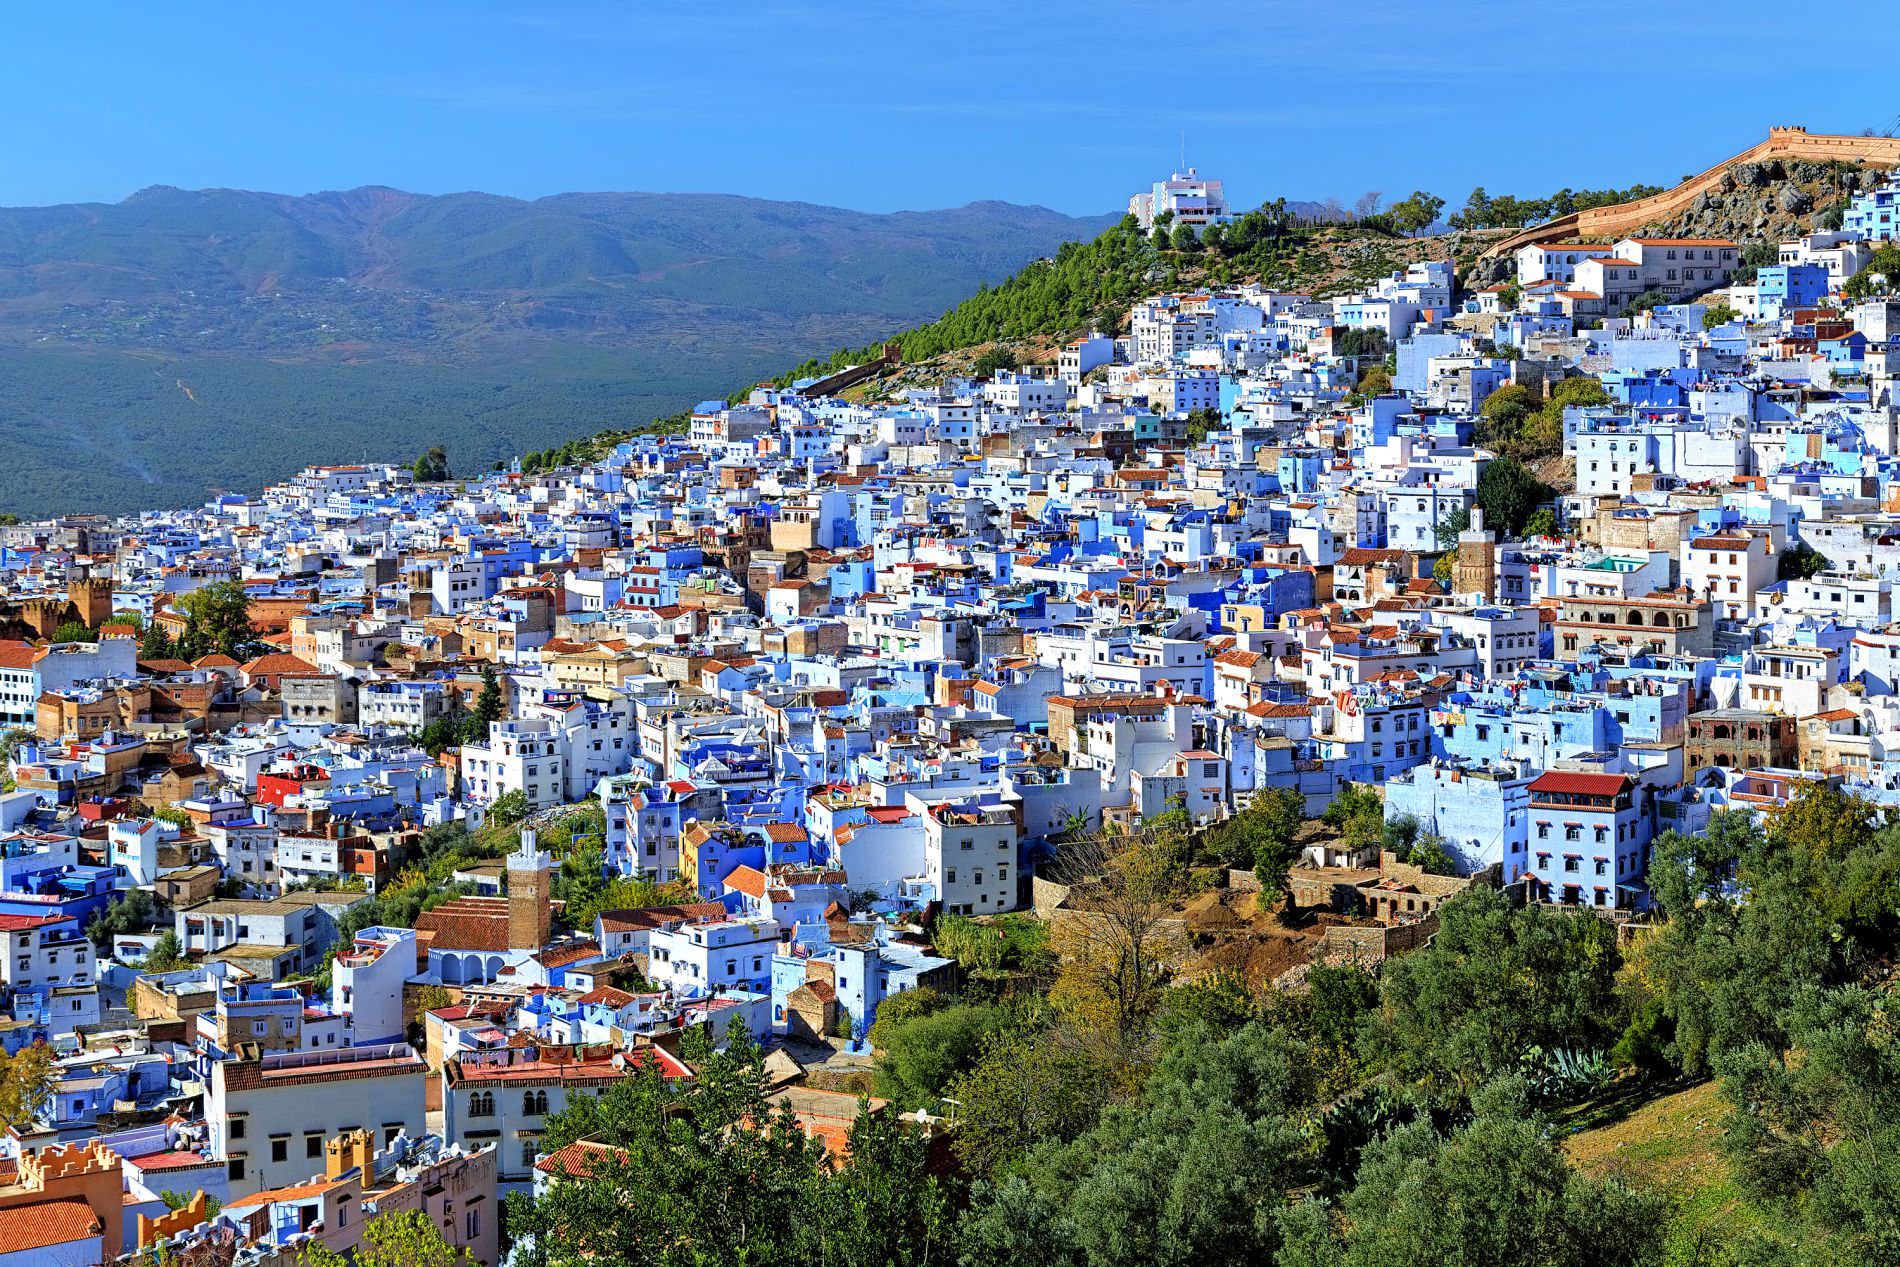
<point x="1183" y="166"/>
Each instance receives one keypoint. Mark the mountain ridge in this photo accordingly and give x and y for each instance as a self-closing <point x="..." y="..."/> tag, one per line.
<point x="378" y="323"/>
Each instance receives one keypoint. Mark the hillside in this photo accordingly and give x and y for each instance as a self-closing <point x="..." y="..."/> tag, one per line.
<point x="374" y="323"/>
<point x="1669" y="1143"/>
<point x="1092" y="284"/>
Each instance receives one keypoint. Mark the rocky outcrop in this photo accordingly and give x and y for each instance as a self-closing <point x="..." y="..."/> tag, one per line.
<point x="1782" y="157"/>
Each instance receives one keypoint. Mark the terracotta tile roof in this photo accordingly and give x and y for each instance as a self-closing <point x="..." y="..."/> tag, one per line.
<point x="278" y="662"/>
<point x="630" y="921"/>
<point x="785" y="833"/>
<point x="296" y="1192"/>
<point x="1581" y="784"/>
<point x="576" y="1161"/>
<point x="572" y="952"/>
<point x="748" y="880"/>
<point x="46" y="1224"/>
<point x="467" y="923"/>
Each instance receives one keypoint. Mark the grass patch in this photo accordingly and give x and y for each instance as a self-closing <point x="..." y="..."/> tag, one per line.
<point x="1666" y="1138"/>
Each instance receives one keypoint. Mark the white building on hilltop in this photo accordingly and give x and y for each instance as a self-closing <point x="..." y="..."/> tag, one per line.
<point x="1191" y="197"/>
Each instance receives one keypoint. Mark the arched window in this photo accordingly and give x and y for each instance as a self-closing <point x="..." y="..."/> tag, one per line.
<point x="481" y="1104"/>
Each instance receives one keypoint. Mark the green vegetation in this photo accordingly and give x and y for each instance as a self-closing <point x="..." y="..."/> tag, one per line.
<point x="1514" y="423"/>
<point x="1261" y="838"/>
<point x="27" y="1078"/>
<point x="1799" y="562"/>
<point x="166" y="955"/>
<point x="224" y="336"/>
<point x="1756" y="255"/>
<point x="1718" y="314"/>
<point x="1876" y="276"/>
<point x="712" y="1172"/>
<point x="1482" y="211"/>
<point x="128" y="915"/>
<point x="1417" y="212"/>
<point x="217" y="618"/>
<point x="432" y="467"/>
<point x="395" y="1238"/>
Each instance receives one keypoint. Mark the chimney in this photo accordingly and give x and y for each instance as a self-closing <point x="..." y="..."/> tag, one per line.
<point x="352" y="1150"/>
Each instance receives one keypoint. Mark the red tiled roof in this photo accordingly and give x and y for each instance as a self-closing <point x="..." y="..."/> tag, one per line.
<point x="576" y="1161"/>
<point x="45" y="1224"/>
<point x="748" y="880"/>
<point x="1580" y="784"/>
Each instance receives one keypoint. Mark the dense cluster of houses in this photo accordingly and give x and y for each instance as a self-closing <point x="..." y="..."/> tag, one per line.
<point x="835" y="667"/>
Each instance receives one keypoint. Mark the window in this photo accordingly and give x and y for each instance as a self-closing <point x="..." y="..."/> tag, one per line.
<point x="472" y="1221"/>
<point x="313" y="1145"/>
<point x="237" y="1128"/>
<point x="236" y="1168"/>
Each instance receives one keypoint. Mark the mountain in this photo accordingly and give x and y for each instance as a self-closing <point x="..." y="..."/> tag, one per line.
<point x="185" y="340"/>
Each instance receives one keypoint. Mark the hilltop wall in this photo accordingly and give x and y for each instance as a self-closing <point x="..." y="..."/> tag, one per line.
<point x="1623" y="218"/>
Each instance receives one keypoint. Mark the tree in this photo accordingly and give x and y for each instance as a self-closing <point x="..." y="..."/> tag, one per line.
<point x="1800" y="561"/>
<point x="75" y="631"/>
<point x="1717" y="315"/>
<point x="917" y="1057"/>
<point x="1189" y="1171"/>
<point x="1504" y="413"/>
<point x="433" y="466"/>
<point x="1261" y="838"/>
<point x="1202" y="422"/>
<point x="1477" y="212"/>
<point x="1446" y="531"/>
<point x="489" y="708"/>
<point x="1417" y="212"/>
<point x="1508" y="492"/>
<point x="1495" y="1193"/>
<point x="1497" y="981"/>
<point x="27" y="1078"/>
<point x="1183" y="239"/>
<point x="397" y="1238"/>
<point x="1031" y="1084"/>
<point x="1113" y="953"/>
<point x="1376" y="381"/>
<point x="509" y="808"/>
<point x="129" y="914"/>
<point x="217" y="618"/>
<point x="710" y="1170"/>
<point x="166" y="954"/>
<point x="1819" y="1134"/>
<point x="156" y="644"/>
<point x="1543" y="523"/>
<point x="1367" y="204"/>
<point x="994" y="359"/>
<point x="10" y="741"/>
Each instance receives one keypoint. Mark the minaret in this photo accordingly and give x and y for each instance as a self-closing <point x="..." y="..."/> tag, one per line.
<point x="530" y="894"/>
<point x="1475" y="569"/>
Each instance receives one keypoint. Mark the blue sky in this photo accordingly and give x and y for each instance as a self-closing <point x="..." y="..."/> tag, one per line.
<point x="913" y="105"/>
